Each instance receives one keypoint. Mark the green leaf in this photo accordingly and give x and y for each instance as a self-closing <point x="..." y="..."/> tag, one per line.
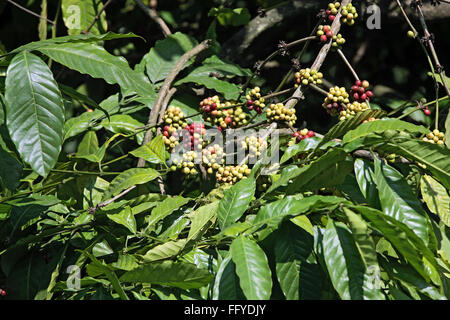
<point x="153" y="152"/>
<point x="129" y="178"/>
<point x="252" y="268"/>
<point x="98" y="63"/>
<point x="436" y="197"/>
<point x="231" y="17"/>
<point x="169" y="273"/>
<point x="102" y="249"/>
<point x="34" y="112"/>
<point x="363" y="239"/>
<point x="125" y="218"/>
<point x="345" y="267"/>
<point x="10" y="170"/>
<point x="409" y="275"/>
<point x="78" y="15"/>
<point x="273" y="213"/>
<point x="235" y="202"/>
<point x="292" y="248"/>
<point x="79" y="38"/>
<point x="380" y="126"/>
<point x="401" y="237"/>
<point x="166" y="53"/>
<point x="202" y="218"/>
<point x="164" y="251"/>
<point x="344" y="126"/>
<point x="89" y="145"/>
<point x="112" y="277"/>
<point x="122" y="123"/>
<point x="230" y="91"/>
<point x="304" y="145"/>
<point x="435" y="157"/>
<point x="306" y="175"/>
<point x="125" y="262"/>
<point x="226" y="283"/>
<point x="164" y="209"/>
<point x="364" y="176"/>
<point x="398" y="201"/>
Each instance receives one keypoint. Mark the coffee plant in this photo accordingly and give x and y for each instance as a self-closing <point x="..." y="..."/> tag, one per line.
<point x="176" y="173"/>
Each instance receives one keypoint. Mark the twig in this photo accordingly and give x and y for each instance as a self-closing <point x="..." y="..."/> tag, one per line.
<point x="341" y="54"/>
<point x="154" y="113"/>
<point x="107" y="202"/>
<point x="335" y="27"/>
<point x="30" y="12"/>
<point x="439" y="67"/>
<point x="97" y="16"/>
<point x="155" y="17"/>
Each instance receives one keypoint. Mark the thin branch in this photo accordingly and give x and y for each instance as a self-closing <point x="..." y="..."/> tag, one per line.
<point x="30" y="12"/>
<point x="98" y="16"/>
<point x="341" y="54"/>
<point x="155" y="17"/>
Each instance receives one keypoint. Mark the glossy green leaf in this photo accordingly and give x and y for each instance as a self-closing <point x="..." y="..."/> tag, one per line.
<point x="153" y="152"/>
<point x="125" y="262"/>
<point x="235" y="202"/>
<point x="436" y="197"/>
<point x="316" y="170"/>
<point x="34" y="112"/>
<point x="129" y="178"/>
<point x="229" y="90"/>
<point x="304" y="145"/>
<point x="380" y="126"/>
<point x="226" y="283"/>
<point x="344" y="126"/>
<point x="165" y="208"/>
<point x="292" y="248"/>
<point x="169" y="273"/>
<point x="364" y="176"/>
<point x="166" y="53"/>
<point x="252" y="268"/>
<point x="102" y="249"/>
<point x="78" y="38"/>
<point x="78" y="16"/>
<point x="124" y="218"/>
<point x="345" y="267"/>
<point x="401" y="237"/>
<point x="98" y="63"/>
<point x="164" y="251"/>
<point x="89" y="144"/>
<point x="273" y="213"/>
<point x="398" y="201"/>
<point x="202" y="218"/>
<point x="122" y="123"/>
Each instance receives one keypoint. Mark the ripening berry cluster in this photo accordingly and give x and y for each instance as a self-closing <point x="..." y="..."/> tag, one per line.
<point x="435" y="136"/>
<point x="187" y="163"/>
<point x="338" y="41"/>
<point x="349" y="14"/>
<point x="255" y="146"/>
<point x="213" y="157"/>
<point x="174" y="120"/>
<point x="232" y="174"/>
<point x="332" y="10"/>
<point x="300" y="135"/>
<point x="2" y="292"/>
<point x="306" y="76"/>
<point x="196" y="132"/>
<point x="359" y="91"/>
<point x="324" y="32"/>
<point x="336" y="98"/>
<point x="280" y="113"/>
<point x="222" y="114"/>
<point x="352" y="109"/>
<point x="255" y="101"/>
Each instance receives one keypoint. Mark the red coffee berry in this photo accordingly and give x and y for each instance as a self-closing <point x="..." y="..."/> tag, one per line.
<point x="427" y="111"/>
<point x="369" y="94"/>
<point x="323" y="38"/>
<point x="358" y="83"/>
<point x="310" y="134"/>
<point x="363" y="96"/>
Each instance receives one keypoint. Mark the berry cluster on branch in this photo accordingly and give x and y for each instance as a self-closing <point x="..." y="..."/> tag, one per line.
<point x="336" y="100"/>
<point x="255" y="101"/>
<point x="307" y="76"/>
<point x="281" y="114"/>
